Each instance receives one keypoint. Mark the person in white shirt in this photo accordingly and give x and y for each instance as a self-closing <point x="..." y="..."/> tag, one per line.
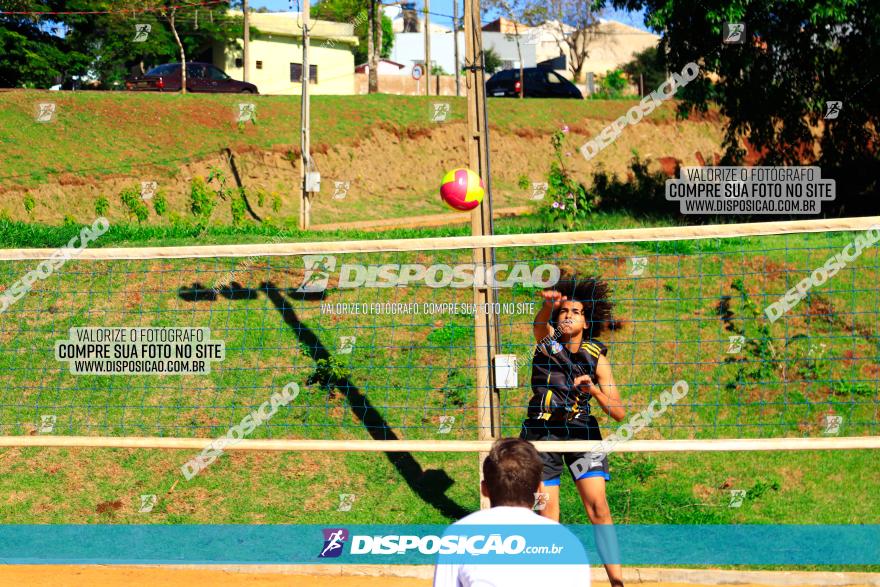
<point x="512" y="482"/>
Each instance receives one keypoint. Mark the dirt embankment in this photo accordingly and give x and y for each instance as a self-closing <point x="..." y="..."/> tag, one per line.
<point x="388" y="173"/>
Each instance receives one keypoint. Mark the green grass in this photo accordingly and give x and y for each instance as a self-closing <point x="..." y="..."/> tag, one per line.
<point x="98" y="134"/>
<point x="414" y="369"/>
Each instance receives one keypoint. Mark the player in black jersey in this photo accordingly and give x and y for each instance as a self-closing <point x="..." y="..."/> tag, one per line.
<point x="569" y="369"/>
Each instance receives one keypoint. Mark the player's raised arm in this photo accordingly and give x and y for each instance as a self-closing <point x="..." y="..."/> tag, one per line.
<point x="541" y="326"/>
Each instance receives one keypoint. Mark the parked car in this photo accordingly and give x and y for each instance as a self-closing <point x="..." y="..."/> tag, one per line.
<point x="540" y="83"/>
<point x="74" y="83"/>
<point x="200" y="77"/>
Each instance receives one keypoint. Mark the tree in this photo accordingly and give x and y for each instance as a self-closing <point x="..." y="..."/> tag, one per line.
<point x="773" y="88"/>
<point x="109" y="38"/>
<point x="33" y="53"/>
<point x="105" y="36"/>
<point x="377" y="45"/>
<point x="650" y="65"/>
<point x="358" y="13"/>
<point x="372" y="62"/>
<point x="518" y="11"/>
<point x="612" y="85"/>
<point x="576" y="23"/>
<point x="171" y="10"/>
<point x="491" y="60"/>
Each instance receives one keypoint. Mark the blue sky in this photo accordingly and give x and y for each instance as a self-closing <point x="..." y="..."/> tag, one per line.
<point x="445" y="7"/>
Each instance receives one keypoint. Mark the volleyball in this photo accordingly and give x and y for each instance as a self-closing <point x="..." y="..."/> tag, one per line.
<point x="462" y="189"/>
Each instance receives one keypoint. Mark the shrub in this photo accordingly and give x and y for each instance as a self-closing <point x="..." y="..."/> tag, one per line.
<point x="201" y="199"/>
<point x="134" y="203"/>
<point x="238" y="207"/>
<point x="612" y="85"/>
<point x="223" y="190"/>
<point x="330" y="373"/>
<point x="643" y="194"/>
<point x="102" y="206"/>
<point x="568" y="204"/>
<point x="160" y="204"/>
<point x="29" y="203"/>
<point x="491" y="61"/>
<point x="276" y="203"/>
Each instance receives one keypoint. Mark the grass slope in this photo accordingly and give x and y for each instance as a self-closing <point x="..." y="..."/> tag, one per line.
<point x="103" y="133"/>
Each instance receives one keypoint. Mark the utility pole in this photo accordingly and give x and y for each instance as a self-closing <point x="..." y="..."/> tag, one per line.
<point x="305" y="206"/>
<point x="246" y="52"/>
<point x="427" y="48"/>
<point x="486" y="335"/>
<point x="455" y="41"/>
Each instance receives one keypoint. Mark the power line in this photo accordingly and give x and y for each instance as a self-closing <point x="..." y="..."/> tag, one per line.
<point x="119" y="11"/>
<point x="485" y="22"/>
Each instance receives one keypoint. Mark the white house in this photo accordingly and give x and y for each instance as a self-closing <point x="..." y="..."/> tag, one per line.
<point x="612" y="45"/>
<point x="276" y="55"/>
<point x="409" y="49"/>
<point x="397" y="25"/>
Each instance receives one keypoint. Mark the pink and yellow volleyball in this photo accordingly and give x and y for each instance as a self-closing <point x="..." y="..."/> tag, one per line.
<point x="462" y="189"/>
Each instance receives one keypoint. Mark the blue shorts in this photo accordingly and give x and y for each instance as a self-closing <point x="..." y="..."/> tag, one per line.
<point x="555" y="462"/>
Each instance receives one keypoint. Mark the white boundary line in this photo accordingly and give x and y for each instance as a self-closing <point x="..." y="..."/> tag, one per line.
<point x="630" y="574"/>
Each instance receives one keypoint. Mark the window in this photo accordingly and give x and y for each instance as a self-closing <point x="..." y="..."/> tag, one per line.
<point x="554" y="78"/>
<point x="216" y="75"/>
<point x="196" y="71"/>
<point x="166" y="69"/>
<point x="296" y="73"/>
<point x="534" y="77"/>
<point x="239" y="62"/>
<point x="259" y="64"/>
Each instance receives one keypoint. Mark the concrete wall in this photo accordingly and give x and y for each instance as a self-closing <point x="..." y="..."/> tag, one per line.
<point x="407" y="86"/>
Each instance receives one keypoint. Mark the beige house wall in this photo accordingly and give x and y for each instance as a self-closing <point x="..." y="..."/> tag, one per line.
<point x="279" y="43"/>
<point x="614" y="45"/>
<point x="335" y="66"/>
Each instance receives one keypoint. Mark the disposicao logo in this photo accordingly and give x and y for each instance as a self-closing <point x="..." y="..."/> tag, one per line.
<point x="319" y="267"/>
<point x="334" y="541"/>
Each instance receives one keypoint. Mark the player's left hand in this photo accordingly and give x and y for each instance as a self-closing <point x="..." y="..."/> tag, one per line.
<point x="584" y="384"/>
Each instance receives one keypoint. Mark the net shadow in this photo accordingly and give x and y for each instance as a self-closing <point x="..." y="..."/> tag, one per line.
<point x="431" y="484"/>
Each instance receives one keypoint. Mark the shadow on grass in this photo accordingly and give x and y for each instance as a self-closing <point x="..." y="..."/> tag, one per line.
<point x="430" y="485"/>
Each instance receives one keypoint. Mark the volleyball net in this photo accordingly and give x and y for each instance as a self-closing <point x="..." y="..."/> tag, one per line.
<point x="772" y="327"/>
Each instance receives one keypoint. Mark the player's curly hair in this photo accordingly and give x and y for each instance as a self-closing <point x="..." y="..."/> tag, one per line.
<point x="595" y="295"/>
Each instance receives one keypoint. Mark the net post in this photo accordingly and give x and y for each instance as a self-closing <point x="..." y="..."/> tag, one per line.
<point x="485" y="324"/>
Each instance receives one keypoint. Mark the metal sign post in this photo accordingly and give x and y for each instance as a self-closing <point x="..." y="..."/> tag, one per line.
<point x="417" y="73"/>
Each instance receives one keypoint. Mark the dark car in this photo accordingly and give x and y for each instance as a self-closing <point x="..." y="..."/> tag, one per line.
<point x="540" y="83"/>
<point x="200" y="77"/>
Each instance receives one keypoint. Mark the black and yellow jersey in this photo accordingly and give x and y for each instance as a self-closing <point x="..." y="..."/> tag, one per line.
<point x="554" y="370"/>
